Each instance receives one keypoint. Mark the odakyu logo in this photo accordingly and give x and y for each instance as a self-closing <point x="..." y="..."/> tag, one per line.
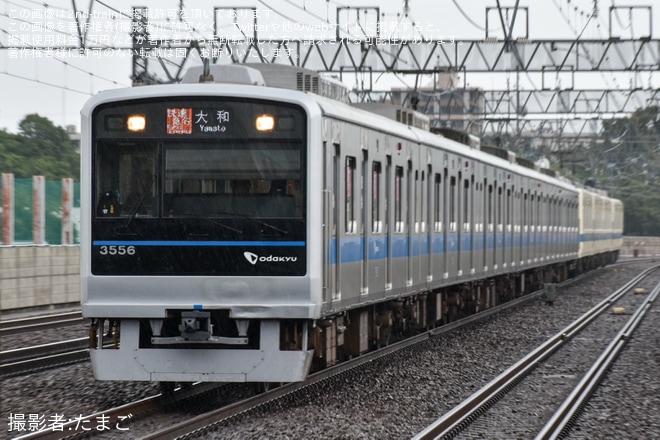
<point x="254" y="258"/>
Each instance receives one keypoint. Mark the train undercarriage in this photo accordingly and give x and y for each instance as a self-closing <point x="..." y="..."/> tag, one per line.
<point x="308" y="345"/>
<point x="358" y="331"/>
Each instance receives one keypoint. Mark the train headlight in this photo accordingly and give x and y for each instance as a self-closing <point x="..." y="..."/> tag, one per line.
<point x="265" y="123"/>
<point x="136" y="123"/>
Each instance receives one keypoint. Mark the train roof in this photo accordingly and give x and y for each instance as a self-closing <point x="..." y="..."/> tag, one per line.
<point x="375" y="121"/>
<point x="330" y="106"/>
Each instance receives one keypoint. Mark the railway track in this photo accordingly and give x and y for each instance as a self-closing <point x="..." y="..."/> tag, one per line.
<point x="41" y="330"/>
<point x="31" y="359"/>
<point x="36" y="323"/>
<point x="226" y="412"/>
<point x="210" y="418"/>
<point x="463" y="415"/>
<point x="561" y="421"/>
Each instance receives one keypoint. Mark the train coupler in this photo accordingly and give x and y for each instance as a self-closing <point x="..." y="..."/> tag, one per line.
<point x="195" y="327"/>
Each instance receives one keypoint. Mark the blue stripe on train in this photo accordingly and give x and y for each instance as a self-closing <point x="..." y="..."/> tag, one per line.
<point x="352" y="249"/>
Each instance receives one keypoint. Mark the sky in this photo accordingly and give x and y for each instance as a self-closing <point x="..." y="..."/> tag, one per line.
<point x="55" y="84"/>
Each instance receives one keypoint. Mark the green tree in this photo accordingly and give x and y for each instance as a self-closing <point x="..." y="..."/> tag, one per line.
<point x="39" y="149"/>
<point x="624" y="160"/>
<point x="626" y="163"/>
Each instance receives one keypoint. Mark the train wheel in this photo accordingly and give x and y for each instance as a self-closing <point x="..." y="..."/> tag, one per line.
<point x="167" y="388"/>
<point x="264" y="387"/>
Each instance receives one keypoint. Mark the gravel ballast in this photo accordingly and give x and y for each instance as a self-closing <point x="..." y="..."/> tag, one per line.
<point x="397" y="397"/>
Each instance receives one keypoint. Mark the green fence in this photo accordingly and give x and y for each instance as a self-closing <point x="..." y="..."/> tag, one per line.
<point x="23" y="211"/>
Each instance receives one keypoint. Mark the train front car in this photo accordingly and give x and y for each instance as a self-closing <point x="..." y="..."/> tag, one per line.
<point x="195" y="239"/>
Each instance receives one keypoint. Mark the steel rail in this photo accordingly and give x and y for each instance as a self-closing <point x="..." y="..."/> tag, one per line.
<point x="207" y="420"/>
<point x="560" y="422"/>
<point x="43" y="363"/>
<point x="213" y="417"/>
<point x="462" y="415"/>
<point x="25" y="325"/>
<point x="19" y="354"/>
<point x="71" y="427"/>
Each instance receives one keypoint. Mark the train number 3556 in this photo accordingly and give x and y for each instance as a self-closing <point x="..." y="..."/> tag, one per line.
<point x="117" y="250"/>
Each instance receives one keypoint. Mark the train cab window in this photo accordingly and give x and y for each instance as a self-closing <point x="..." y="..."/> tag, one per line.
<point x="262" y="181"/>
<point x="349" y="184"/>
<point x="399" y="224"/>
<point x="128" y="172"/>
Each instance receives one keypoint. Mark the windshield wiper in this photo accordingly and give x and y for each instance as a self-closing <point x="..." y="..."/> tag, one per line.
<point x="138" y="205"/>
<point x="255" y="220"/>
<point x="209" y="220"/>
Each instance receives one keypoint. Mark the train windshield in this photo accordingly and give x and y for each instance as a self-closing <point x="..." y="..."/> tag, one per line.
<point x="217" y="179"/>
<point x="259" y="179"/>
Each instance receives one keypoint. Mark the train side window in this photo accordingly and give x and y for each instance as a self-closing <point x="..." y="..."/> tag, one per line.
<point x="399" y="224"/>
<point x="377" y="223"/>
<point x="349" y="184"/>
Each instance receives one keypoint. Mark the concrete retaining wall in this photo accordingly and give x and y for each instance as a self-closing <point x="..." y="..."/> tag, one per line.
<point x="39" y="276"/>
<point x="44" y="276"/>
<point x="644" y="246"/>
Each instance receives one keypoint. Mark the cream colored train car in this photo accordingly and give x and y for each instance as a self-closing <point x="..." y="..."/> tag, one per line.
<point x="601" y="227"/>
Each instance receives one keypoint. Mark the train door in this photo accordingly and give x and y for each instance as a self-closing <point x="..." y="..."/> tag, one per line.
<point x="515" y="222"/>
<point x="532" y="226"/>
<point x="420" y="229"/>
<point x="488" y="225"/>
<point x="465" y="225"/>
<point x="428" y="222"/>
<point x="377" y="247"/>
<point x="483" y="226"/>
<point x="364" y="222"/>
<point x="331" y="179"/>
<point x="521" y="206"/>
<point x="525" y="228"/>
<point x="336" y="206"/>
<point x="445" y="216"/>
<point x="452" y="223"/>
<point x="553" y="227"/>
<point x="411" y="207"/>
<point x="499" y="229"/>
<point x="350" y="256"/>
<point x="417" y="230"/>
<point x="388" y="222"/>
<point x="438" y="238"/>
<point x="546" y="226"/>
<point x="506" y="247"/>
<point x="327" y="227"/>
<point x="399" y="239"/>
<point x="460" y="219"/>
<point x="515" y="216"/>
<point x="539" y="227"/>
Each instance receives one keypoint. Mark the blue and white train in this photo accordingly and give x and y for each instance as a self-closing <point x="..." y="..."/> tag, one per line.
<point x="249" y="229"/>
